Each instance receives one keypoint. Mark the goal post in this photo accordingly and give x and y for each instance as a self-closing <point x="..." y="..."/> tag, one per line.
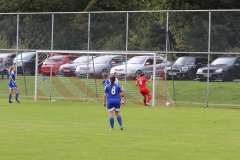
<point x="84" y="82"/>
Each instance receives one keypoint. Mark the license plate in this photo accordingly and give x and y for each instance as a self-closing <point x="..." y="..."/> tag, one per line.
<point x="205" y="75"/>
<point x="172" y="73"/>
<point x="65" y="70"/>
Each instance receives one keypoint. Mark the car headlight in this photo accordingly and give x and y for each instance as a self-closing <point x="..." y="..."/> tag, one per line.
<point x="112" y="71"/>
<point x="19" y="64"/>
<point x="219" y="70"/>
<point x="184" y="69"/>
<point x="73" y="67"/>
<point x="199" y="70"/>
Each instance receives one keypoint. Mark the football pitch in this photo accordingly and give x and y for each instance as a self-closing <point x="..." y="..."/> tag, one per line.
<point x="66" y="130"/>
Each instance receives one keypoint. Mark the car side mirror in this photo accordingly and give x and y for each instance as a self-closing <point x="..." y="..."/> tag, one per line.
<point x="147" y="63"/>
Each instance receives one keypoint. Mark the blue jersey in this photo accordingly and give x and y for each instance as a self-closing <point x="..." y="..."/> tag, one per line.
<point x="112" y="93"/>
<point x="106" y="81"/>
<point x="11" y="83"/>
<point x="113" y="98"/>
<point x="12" y="74"/>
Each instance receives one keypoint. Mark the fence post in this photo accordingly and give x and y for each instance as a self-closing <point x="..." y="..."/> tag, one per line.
<point x="209" y="49"/>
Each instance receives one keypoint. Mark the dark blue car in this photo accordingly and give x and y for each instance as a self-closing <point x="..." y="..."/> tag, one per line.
<point x="222" y="68"/>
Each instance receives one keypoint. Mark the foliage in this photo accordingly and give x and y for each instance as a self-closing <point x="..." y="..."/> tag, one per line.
<point x="7" y="6"/>
<point x="188" y="31"/>
<point x="146" y="33"/>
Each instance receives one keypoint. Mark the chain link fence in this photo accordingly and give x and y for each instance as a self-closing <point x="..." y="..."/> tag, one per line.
<point x="197" y="33"/>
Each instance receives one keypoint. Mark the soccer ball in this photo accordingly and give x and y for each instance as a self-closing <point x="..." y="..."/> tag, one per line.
<point x="167" y="104"/>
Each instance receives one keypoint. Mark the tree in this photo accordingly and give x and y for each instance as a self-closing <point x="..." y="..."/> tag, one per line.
<point x="35" y="29"/>
<point x="7" y="6"/>
<point x="190" y="29"/>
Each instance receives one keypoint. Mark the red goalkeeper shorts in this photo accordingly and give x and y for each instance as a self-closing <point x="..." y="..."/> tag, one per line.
<point x="144" y="91"/>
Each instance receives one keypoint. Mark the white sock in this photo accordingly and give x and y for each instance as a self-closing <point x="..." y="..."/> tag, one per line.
<point x="122" y="100"/>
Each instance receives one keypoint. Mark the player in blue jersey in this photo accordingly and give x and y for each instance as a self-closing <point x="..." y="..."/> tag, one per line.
<point x="112" y="93"/>
<point x="106" y="79"/>
<point x="12" y="84"/>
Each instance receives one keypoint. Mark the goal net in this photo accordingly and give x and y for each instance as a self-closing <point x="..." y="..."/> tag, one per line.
<point x="78" y="75"/>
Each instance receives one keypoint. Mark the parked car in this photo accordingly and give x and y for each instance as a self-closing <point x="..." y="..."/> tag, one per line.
<point x="222" y="68"/>
<point x="139" y="64"/>
<point x="186" y="67"/>
<point x="99" y="65"/>
<point x="26" y="62"/>
<point x="68" y="69"/>
<point x="52" y="64"/>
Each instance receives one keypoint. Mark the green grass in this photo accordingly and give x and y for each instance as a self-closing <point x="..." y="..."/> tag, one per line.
<point x="195" y="91"/>
<point x="185" y="91"/>
<point x="80" y="130"/>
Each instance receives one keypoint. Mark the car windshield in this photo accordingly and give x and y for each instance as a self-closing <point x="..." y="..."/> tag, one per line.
<point x="101" y="60"/>
<point x="24" y="56"/>
<point x="84" y="59"/>
<point x="185" y="61"/>
<point x="226" y="61"/>
<point x="136" y="60"/>
<point x="55" y="58"/>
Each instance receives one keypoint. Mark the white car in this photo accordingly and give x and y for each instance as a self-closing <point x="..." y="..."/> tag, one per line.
<point x="139" y="64"/>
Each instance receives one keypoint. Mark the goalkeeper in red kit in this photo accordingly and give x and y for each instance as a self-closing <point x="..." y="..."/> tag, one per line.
<point x="141" y="82"/>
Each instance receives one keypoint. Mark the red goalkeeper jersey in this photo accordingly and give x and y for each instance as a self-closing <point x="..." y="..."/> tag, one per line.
<point x="142" y="82"/>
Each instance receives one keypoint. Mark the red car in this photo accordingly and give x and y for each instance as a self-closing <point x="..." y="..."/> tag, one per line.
<point x="52" y="64"/>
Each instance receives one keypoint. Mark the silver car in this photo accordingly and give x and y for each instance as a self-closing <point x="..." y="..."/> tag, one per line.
<point x="69" y="68"/>
<point x="99" y="65"/>
<point x="139" y="64"/>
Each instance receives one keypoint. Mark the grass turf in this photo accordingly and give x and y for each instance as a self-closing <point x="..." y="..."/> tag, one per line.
<point x="80" y="130"/>
<point x="75" y="88"/>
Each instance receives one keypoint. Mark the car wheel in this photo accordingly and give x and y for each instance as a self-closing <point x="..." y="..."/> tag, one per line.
<point x="191" y="75"/>
<point x="137" y="73"/>
<point x="27" y="71"/>
<point x="227" y="76"/>
<point x="103" y="71"/>
<point x="59" y="73"/>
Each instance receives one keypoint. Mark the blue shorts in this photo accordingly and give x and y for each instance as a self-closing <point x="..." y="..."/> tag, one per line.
<point x="12" y="85"/>
<point x="113" y="105"/>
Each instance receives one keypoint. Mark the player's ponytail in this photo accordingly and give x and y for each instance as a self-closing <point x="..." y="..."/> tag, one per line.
<point x="112" y="79"/>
